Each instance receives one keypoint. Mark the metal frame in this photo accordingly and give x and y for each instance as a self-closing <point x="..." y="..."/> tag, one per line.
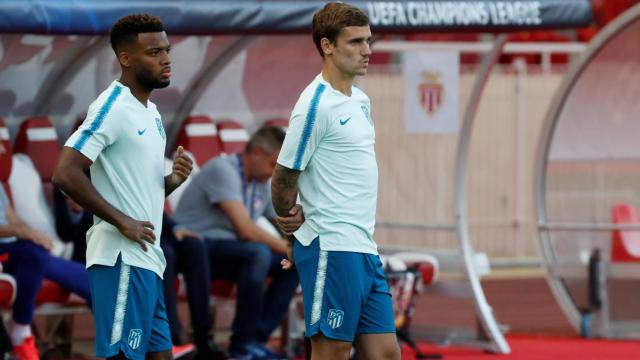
<point x="492" y="338"/>
<point x="540" y="172"/>
<point x="497" y="342"/>
<point x="80" y="52"/>
<point x="201" y="80"/>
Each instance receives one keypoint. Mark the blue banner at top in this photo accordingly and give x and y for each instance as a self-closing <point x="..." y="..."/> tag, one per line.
<point x="193" y="17"/>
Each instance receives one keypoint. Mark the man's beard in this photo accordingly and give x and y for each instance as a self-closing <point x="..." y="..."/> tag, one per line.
<point x="148" y="81"/>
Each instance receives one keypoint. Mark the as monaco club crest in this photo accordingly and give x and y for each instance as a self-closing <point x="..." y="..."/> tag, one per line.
<point x="430" y="91"/>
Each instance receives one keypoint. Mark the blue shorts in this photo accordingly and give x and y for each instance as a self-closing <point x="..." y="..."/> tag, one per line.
<point x="128" y="310"/>
<point x="345" y="294"/>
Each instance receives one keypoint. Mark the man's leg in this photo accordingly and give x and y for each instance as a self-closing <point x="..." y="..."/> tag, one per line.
<point x="324" y="348"/>
<point x="376" y="339"/>
<point x="129" y="312"/>
<point x="71" y="275"/>
<point x="194" y="264"/>
<point x="248" y="264"/>
<point x="159" y="346"/>
<point x="27" y="263"/>
<point x="377" y="347"/>
<point x="169" y="285"/>
<point x="278" y="296"/>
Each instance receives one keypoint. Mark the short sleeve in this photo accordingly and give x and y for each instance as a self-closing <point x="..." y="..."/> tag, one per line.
<point x="221" y="181"/>
<point x="99" y="130"/>
<point x="306" y="129"/>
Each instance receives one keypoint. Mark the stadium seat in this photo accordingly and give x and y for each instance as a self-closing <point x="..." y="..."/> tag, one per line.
<point x="426" y="264"/>
<point x="625" y="244"/>
<point x="37" y="138"/>
<point x="199" y="136"/>
<point x="233" y="136"/>
<point x="51" y="292"/>
<point x="7" y="290"/>
<point x="281" y="122"/>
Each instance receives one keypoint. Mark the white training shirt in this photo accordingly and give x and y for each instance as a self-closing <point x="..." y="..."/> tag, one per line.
<point x="331" y="140"/>
<point x="126" y="142"/>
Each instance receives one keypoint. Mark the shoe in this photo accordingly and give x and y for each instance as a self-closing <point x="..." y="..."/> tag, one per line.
<point x="248" y="352"/>
<point x="255" y="351"/>
<point x="210" y="352"/>
<point x="179" y="351"/>
<point x="27" y="350"/>
<point x="272" y="355"/>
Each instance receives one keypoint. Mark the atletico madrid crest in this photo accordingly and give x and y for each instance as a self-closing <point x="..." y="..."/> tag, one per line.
<point x="430" y="92"/>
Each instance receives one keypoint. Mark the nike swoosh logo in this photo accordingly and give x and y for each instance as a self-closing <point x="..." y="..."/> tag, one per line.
<point x="342" y="122"/>
<point x="140" y="132"/>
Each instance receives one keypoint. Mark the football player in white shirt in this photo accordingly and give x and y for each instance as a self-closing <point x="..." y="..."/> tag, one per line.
<point x="122" y="142"/>
<point x="328" y="155"/>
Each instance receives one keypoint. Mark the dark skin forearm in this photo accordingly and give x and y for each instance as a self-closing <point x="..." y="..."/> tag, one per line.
<point x="284" y="189"/>
<point x="70" y="177"/>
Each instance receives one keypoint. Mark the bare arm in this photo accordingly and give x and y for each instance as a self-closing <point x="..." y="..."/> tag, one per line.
<point x="70" y="177"/>
<point x="247" y="229"/>
<point x="16" y="227"/>
<point x="284" y="193"/>
<point x="284" y="189"/>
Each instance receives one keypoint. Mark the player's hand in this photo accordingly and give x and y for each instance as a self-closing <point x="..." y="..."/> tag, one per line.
<point x="182" y="166"/>
<point x="287" y="264"/>
<point x="140" y="232"/>
<point x="289" y="224"/>
<point x="183" y="233"/>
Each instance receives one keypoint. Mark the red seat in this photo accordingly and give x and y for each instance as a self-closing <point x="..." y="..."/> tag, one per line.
<point x="51" y="292"/>
<point x="223" y="288"/>
<point x="429" y="272"/>
<point x="279" y="122"/>
<point x="199" y="135"/>
<point x="625" y="244"/>
<point x="37" y="138"/>
<point x="7" y="290"/>
<point x="233" y="136"/>
<point x="427" y="265"/>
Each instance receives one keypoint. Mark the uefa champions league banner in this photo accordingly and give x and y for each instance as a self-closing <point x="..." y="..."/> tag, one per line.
<point x="431" y="91"/>
<point x="207" y="17"/>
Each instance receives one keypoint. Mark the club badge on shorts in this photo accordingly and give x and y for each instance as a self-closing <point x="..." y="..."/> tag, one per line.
<point x="135" y="337"/>
<point x="334" y="318"/>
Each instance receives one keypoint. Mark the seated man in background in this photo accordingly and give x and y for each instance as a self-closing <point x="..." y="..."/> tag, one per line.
<point x="186" y="253"/>
<point x="27" y="258"/>
<point x="222" y="204"/>
<point x="72" y="224"/>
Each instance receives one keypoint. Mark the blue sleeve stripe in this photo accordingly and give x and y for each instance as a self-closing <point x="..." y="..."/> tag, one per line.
<point x="104" y="110"/>
<point x="308" y="126"/>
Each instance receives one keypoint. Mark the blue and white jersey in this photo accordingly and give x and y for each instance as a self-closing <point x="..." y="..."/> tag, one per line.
<point x="126" y="142"/>
<point x="331" y="139"/>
